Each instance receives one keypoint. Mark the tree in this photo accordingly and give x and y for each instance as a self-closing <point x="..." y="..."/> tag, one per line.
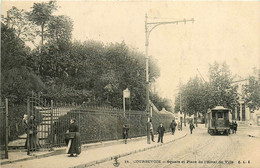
<point x="196" y="96"/>
<point x="19" y="21"/>
<point x="59" y="30"/>
<point x="41" y="14"/>
<point x="220" y="91"/>
<point x="18" y="80"/>
<point x="252" y="91"/>
<point x="193" y="96"/>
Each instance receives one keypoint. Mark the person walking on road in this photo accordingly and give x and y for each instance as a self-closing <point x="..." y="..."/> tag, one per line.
<point x="235" y="127"/>
<point x="173" y="126"/>
<point x="151" y="129"/>
<point x="180" y="126"/>
<point x="232" y="127"/>
<point x="160" y="131"/>
<point x="125" y="132"/>
<point x="191" y="127"/>
<point x="74" y="144"/>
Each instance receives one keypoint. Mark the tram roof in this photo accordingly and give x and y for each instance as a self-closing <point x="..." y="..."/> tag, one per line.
<point x="219" y="108"/>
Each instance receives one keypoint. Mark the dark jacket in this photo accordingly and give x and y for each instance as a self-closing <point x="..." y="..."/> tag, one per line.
<point x="192" y="126"/>
<point x="75" y="142"/>
<point x="161" y="130"/>
<point x="173" y="124"/>
<point x="125" y="130"/>
<point x="73" y="128"/>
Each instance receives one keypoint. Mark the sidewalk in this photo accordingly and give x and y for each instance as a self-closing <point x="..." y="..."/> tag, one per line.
<point x="90" y="155"/>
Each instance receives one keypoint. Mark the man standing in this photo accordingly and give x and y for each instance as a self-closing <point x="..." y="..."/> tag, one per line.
<point x="235" y="127"/>
<point x="151" y="129"/>
<point x="160" y="131"/>
<point x="125" y="132"/>
<point x="173" y="126"/>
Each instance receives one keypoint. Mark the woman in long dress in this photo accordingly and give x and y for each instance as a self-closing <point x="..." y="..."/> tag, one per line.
<point x="74" y="145"/>
<point x="34" y="144"/>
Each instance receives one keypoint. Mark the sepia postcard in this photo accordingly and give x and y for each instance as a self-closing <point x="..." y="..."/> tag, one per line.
<point x="130" y="84"/>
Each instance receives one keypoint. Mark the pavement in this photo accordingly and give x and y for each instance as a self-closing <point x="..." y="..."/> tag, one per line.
<point x="91" y="154"/>
<point x="253" y="130"/>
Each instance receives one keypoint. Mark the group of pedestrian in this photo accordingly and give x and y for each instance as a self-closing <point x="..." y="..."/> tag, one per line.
<point x="32" y="141"/>
<point x="233" y="127"/>
<point x="72" y="136"/>
<point x="161" y="130"/>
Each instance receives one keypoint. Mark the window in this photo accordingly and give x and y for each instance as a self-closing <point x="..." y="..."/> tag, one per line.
<point x="220" y="114"/>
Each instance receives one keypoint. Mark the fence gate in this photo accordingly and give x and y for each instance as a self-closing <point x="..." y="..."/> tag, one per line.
<point x="4" y="127"/>
<point x="41" y="110"/>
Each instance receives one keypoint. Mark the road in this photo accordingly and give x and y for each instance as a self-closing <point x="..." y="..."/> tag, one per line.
<point x="198" y="150"/>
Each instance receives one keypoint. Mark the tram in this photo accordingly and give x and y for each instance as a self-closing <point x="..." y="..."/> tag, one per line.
<point x="218" y="120"/>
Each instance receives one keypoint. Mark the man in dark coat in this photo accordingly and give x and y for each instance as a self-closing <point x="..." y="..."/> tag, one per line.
<point x="235" y="127"/>
<point x="160" y="131"/>
<point x="125" y="132"/>
<point x="74" y="144"/>
<point x="173" y="126"/>
<point x="232" y="127"/>
<point x="191" y="127"/>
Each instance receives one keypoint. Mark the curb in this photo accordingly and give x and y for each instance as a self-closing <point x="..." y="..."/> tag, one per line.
<point x="124" y="154"/>
<point x="63" y="149"/>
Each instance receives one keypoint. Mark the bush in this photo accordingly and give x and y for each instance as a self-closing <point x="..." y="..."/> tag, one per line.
<point x="98" y="125"/>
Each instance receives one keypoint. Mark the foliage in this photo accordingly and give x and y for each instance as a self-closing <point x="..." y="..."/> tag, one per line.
<point x="196" y="96"/>
<point x="252" y="91"/>
<point x="41" y="14"/>
<point x="59" y="30"/>
<point x="19" y="21"/>
<point x="161" y="103"/>
<point x="17" y="79"/>
<point x="107" y="125"/>
<point x="220" y="90"/>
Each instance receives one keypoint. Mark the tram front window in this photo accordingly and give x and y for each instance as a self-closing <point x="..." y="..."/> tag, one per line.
<point x="220" y="115"/>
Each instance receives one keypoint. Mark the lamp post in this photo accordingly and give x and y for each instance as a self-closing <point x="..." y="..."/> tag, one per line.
<point x="149" y="27"/>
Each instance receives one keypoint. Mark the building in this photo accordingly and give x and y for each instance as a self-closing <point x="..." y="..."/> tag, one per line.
<point x="242" y="112"/>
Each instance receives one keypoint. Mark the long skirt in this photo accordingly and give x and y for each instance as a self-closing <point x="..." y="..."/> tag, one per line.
<point x="34" y="143"/>
<point x="75" y="144"/>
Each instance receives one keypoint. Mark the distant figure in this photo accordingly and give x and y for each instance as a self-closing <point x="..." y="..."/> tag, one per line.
<point x="191" y="127"/>
<point x="73" y="141"/>
<point x="151" y="129"/>
<point x="180" y="126"/>
<point x="235" y="127"/>
<point x="25" y="126"/>
<point x="32" y="141"/>
<point x="160" y="131"/>
<point x="232" y="126"/>
<point x="125" y="132"/>
<point x="173" y="126"/>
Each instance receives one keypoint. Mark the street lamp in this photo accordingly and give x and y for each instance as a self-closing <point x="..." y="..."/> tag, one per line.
<point x="148" y="31"/>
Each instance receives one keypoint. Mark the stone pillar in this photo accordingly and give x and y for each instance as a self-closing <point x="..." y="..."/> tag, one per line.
<point x="235" y="113"/>
<point x="247" y="111"/>
<point x="240" y="113"/>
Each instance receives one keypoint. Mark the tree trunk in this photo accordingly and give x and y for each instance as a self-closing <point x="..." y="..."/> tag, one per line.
<point x="196" y="119"/>
<point x="185" y="119"/>
<point x="42" y="32"/>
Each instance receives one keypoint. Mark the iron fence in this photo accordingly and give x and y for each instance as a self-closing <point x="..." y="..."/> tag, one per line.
<point x="4" y="127"/>
<point x="96" y="124"/>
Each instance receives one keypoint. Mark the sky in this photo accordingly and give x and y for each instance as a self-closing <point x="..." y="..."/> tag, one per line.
<point x="222" y="32"/>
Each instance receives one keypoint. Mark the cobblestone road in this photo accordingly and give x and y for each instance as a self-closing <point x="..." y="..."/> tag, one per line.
<point x="198" y="150"/>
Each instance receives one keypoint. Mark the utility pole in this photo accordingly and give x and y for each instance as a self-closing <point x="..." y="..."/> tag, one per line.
<point x="149" y="26"/>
